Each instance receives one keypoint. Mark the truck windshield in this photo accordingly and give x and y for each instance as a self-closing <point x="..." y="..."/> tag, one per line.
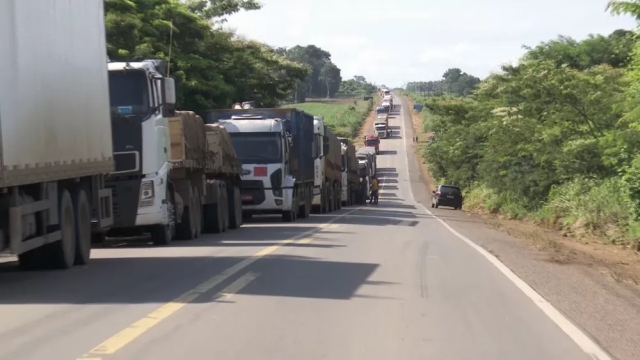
<point x="362" y="172"/>
<point x="257" y="148"/>
<point x="129" y="92"/>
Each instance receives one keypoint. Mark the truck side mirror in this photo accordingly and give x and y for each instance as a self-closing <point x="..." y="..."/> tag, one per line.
<point x="167" y="91"/>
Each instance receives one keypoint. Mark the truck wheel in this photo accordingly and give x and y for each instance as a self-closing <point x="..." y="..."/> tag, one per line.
<point x="323" y="199"/>
<point x="305" y="209"/>
<point x="186" y="228"/>
<point x="59" y="254"/>
<point x="225" y="211"/>
<point x="235" y="207"/>
<point x="83" y="227"/>
<point x="63" y="253"/>
<point x="163" y="234"/>
<point x="290" y="215"/>
<point x="331" y="199"/>
<point x="213" y="220"/>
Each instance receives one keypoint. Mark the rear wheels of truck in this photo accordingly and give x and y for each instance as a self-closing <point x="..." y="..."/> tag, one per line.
<point x="62" y="253"/>
<point x="216" y="217"/>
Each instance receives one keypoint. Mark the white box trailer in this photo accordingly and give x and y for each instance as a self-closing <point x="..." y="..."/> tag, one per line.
<point x="55" y="130"/>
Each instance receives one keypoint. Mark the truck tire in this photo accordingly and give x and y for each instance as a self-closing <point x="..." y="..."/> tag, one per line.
<point x="305" y="208"/>
<point x="290" y="215"/>
<point x="225" y="211"/>
<point x="332" y="199"/>
<point x="323" y="200"/>
<point x="186" y="228"/>
<point x="83" y="227"/>
<point x="235" y="207"/>
<point x="213" y="216"/>
<point x="163" y="234"/>
<point x="59" y="254"/>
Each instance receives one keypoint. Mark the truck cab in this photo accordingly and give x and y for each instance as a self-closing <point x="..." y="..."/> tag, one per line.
<point x="142" y="98"/>
<point x="381" y="129"/>
<point x="372" y="141"/>
<point x="263" y="147"/>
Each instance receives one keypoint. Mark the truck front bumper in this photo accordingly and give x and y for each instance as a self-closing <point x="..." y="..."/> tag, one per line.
<point x="127" y="212"/>
<point x="271" y="203"/>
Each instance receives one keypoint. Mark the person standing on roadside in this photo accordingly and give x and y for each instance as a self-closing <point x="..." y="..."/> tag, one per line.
<point x="374" y="191"/>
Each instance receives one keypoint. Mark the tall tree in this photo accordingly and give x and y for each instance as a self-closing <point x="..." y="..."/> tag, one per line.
<point x="212" y="67"/>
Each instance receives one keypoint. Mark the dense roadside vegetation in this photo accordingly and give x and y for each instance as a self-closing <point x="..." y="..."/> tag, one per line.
<point x="555" y="138"/>
<point x="213" y="67"/>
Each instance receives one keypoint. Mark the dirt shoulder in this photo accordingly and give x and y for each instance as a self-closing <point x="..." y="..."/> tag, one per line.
<point x="594" y="284"/>
<point x="367" y="126"/>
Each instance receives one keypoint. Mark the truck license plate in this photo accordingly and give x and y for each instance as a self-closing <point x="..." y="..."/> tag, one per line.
<point x="247" y="197"/>
<point x="450" y="196"/>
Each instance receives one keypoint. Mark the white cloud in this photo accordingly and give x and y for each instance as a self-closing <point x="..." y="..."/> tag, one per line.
<point x="455" y="53"/>
<point x="397" y="41"/>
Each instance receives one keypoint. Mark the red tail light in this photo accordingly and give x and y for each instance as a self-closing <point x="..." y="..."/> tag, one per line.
<point x="260" y="171"/>
<point x="438" y="193"/>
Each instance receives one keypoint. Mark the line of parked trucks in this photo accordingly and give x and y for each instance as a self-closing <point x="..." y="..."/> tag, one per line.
<point x="92" y="149"/>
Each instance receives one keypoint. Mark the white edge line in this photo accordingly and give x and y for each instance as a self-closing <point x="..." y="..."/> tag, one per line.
<point x="578" y="336"/>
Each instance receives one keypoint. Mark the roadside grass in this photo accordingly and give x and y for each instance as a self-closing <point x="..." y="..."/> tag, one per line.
<point x="343" y="116"/>
<point x="579" y="209"/>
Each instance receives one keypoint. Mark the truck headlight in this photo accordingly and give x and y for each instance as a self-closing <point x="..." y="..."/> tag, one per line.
<point x="277" y="192"/>
<point x="147" y="193"/>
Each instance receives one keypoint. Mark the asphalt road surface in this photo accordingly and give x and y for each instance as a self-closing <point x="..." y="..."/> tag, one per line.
<point x="386" y="281"/>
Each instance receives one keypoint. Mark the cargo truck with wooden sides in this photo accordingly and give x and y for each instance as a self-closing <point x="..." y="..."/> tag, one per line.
<point x="55" y="131"/>
<point x="352" y="184"/>
<point x="327" y="185"/>
<point x="276" y="147"/>
<point x="167" y="181"/>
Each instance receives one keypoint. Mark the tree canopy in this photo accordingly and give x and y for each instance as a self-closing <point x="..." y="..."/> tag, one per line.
<point x="454" y="82"/>
<point x="358" y="86"/>
<point x="213" y="68"/>
<point x="324" y="77"/>
<point x="555" y="137"/>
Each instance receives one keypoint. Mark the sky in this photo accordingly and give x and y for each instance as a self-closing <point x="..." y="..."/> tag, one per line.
<point x="398" y="41"/>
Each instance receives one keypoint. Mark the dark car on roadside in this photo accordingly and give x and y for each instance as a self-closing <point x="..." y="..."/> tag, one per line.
<point x="447" y="195"/>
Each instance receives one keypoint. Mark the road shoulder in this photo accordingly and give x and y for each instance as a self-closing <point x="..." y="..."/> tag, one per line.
<point x="605" y="309"/>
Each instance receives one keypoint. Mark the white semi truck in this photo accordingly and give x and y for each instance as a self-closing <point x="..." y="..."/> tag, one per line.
<point x="276" y="147"/>
<point x="55" y="131"/>
<point x="165" y="182"/>
<point x="327" y="182"/>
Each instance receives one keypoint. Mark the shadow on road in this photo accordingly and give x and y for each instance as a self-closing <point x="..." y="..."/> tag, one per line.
<point x="159" y="280"/>
<point x="388" y="152"/>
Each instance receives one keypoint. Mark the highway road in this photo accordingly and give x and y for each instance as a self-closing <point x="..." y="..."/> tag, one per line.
<point x="387" y="281"/>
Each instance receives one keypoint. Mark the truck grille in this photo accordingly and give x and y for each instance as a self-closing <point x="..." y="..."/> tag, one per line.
<point x="252" y="192"/>
<point x="127" y="161"/>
